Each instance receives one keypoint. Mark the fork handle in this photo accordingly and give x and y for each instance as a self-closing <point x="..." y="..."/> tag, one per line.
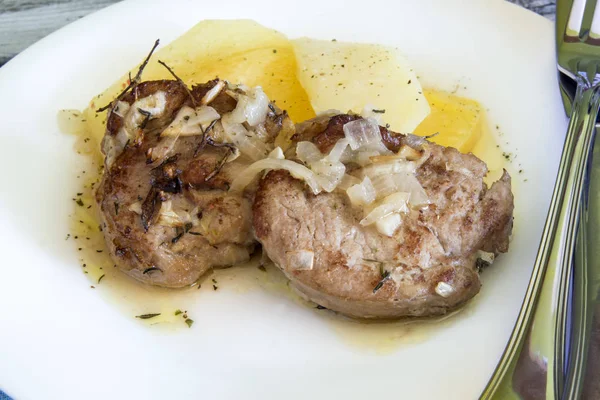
<point x="577" y="293"/>
<point x="554" y="260"/>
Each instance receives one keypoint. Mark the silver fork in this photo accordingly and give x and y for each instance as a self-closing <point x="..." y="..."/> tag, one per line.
<point x="542" y="330"/>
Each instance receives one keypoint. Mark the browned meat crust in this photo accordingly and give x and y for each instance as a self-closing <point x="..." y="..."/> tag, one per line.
<point x="361" y="273"/>
<point x="217" y="231"/>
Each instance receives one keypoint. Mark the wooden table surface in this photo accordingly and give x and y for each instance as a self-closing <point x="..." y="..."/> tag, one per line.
<point x="24" y="22"/>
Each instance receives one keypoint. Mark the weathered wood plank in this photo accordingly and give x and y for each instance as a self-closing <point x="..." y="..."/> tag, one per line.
<point x="547" y="8"/>
<point x="23" y="22"/>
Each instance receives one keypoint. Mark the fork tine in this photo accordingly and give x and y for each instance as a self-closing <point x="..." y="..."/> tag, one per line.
<point x="575" y="18"/>
<point x="595" y="29"/>
<point x="588" y="16"/>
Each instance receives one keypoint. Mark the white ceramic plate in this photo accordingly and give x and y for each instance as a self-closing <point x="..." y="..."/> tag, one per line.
<point x="59" y="339"/>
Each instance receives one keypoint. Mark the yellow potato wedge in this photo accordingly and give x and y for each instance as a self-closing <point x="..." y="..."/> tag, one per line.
<point x="350" y="76"/>
<point x="459" y="121"/>
<point x="240" y="51"/>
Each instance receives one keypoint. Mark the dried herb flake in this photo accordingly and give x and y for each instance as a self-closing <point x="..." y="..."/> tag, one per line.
<point x="147" y="316"/>
<point x="385" y="276"/>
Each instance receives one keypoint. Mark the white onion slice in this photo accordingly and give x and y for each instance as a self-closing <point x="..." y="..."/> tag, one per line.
<point x="191" y="121"/>
<point x="121" y="108"/>
<point x="213" y="93"/>
<point x="298" y="171"/>
<point x="328" y="170"/>
<point x="387" y="225"/>
<point x="404" y="154"/>
<point x="348" y="181"/>
<point x="373" y="170"/>
<point x="400" y="182"/>
<point x="243" y="139"/>
<point x="113" y="146"/>
<point x="251" y="107"/>
<point x="364" y="157"/>
<point x="362" y="133"/>
<point x="154" y="105"/>
<point x="136" y="207"/>
<point x="362" y="194"/>
<point x="394" y="203"/>
<point x="414" y="141"/>
<point x="328" y="173"/>
<point x="276" y="154"/>
<point x="444" y="289"/>
<point x="336" y="152"/>
<point x="168" y="217"/>
<point x="308" y="152"/>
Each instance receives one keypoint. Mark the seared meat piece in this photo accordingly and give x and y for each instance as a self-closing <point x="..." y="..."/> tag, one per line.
<point x="427" y="267"/>
<point x="167" y="215"/>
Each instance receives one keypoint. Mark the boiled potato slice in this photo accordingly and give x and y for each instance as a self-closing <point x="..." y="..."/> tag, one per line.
<point x="459" y="121"/>
<point x="240" y="51"/>
<point x="350" y="76"/>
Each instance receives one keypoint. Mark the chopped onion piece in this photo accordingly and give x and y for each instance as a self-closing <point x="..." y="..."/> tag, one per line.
<point x="362" y="194"/>
<point x="191" y="121"/>
<point x="348" y="181"/>
<point x="301" y="259"/>
<point x="404" y="154"/>
<point x="113" y="146"/>
<point x="386" y="168"/>
<point x="154" y="105"/>
<point x="277" y="154"/>
<point x="136" y="207"/>
<point x="298" y="171"/>
<point x="362" y="133"/>
<point x="388" y="225"/>
<point x="394" y="203"/>
<point x="414" y="141"/>
<point x="328" y="173"/>
<point x="243" y="139"/>
<point x="444" y="289"/>
<point x="400" y="182"/>
<point x="168" y="217"/>
<point x="308" y="152"/>
<point x="251" y="107"/>
<point x="213" y="93"/>
<point x="364" y="157"/>
<point x="328" y="170"/>
<point x="121" y="109"/>
<point x="163" y="148"/>
<point x="151" y="107"/>
<point x="337" y="150"/>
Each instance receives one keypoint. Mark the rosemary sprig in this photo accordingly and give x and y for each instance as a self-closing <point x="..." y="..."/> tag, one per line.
<point x="132" y="82"/>
<point x="180" y="81"/>
<point x="384" y="277"/>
